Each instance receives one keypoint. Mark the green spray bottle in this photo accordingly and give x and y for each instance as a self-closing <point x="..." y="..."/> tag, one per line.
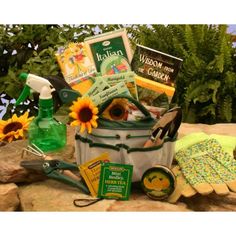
<point x="44" y="131"/>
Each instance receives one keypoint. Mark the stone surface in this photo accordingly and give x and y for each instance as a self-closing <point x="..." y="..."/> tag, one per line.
<point x="212" y="202"/>
<point x="222" y="129"/>
<point x="51" y="195"/>
<point x="9" y="200"/>
<point x="10" y="158"/>
<point x="140" y="202"/>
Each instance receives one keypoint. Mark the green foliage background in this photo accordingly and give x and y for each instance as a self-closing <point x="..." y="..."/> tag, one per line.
<point x="205" y="85"/>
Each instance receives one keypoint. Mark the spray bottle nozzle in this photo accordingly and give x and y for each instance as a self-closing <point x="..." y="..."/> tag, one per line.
<point x="33" y="82"/>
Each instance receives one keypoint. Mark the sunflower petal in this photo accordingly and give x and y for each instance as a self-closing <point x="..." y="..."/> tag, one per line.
<point x="89" y="127"/>
<point x="10" y="138"/>
<point x="71" y="108"/>
<point x="82" y="128"/>
<point x="95" y="117"/>
<point x="23" y="119"/>
<point x="30" y="118"/>
<point x="73" y="115"/>
<point x="94" y="123"/>
<point x="21" y="132"/>
<point x="95" y="110"/>
<point x="17" y="135"/>
<point x="87" y="101"/>
<point x="74" y="123"/>
<point x="14" y="118"/>
<point x="25" y="115"/>
<point x="3" y="123"/>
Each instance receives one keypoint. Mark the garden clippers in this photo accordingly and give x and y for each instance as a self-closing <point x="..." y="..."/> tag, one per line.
<point x="61" y="167"/>
<point x="53" y="168"/>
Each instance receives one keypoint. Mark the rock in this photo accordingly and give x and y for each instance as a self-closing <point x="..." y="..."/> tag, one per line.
<point x="212" y="202"/>
<point x="9" y="200"/>
<point x="51" y="195"/>
<point x="10" y="158"/>
<point x="222" y="129"/>
<point x="140" y="202"/>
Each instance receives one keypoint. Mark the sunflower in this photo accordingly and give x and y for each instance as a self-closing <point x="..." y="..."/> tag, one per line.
<point x="14" y="128"/>
<point x="117" y="110"/>
<point x="85" y="114"/>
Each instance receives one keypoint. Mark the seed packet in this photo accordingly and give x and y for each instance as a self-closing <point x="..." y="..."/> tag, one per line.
<point x="76" y="66"/>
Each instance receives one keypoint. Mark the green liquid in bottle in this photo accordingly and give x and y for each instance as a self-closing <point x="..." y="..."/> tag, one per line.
<point x="45" y="132"/>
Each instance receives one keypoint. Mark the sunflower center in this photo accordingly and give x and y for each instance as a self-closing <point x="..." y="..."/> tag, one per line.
<point x="13" y="126"/>
<point x="117" y="112"/>
<point x="85" y="114"/>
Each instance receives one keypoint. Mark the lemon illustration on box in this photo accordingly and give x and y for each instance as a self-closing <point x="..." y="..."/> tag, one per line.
<point x="158" y="182"/>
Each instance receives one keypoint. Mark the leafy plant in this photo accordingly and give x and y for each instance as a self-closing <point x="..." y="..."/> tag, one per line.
<point x="31" y="48"/>
<point x="206" y="83"/>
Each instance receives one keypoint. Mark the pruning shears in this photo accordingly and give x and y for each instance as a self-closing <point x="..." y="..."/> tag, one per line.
<point x="54" y="169"/>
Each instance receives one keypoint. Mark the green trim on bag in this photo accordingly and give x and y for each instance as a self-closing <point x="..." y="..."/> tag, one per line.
<point x="83" y="139"/>
<point x="121" y="145"/>
<point x="143" y="124"/>
<point x="92" y="144"/>
<point x="143" y="149"/>
<point x="129" y="136"/>
<point x="102" y="145"/>
<point x="117" y="136"/>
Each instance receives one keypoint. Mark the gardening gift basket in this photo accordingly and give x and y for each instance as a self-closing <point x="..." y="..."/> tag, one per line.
<point x="122" y="129"/>
<point x="126" y="141"/>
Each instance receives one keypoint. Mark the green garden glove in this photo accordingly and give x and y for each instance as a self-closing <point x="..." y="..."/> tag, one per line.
<point x="207" y="167"/>
<point x="191" y="173"/>
<point x="182" y="186"/>
<point x="222" y="162"/>
<point x="228" y="143"/>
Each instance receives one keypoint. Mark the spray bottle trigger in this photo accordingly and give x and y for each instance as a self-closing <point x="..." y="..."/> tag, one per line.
<point x="68" y="95"/>
<point x="24" y="94"/>
<point x="23" y="76"/>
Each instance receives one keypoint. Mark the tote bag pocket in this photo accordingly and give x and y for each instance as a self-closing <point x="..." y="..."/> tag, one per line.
<point x="168" y="151"/>
<point x="87" y="149"/>
<point x="143" y="159"/>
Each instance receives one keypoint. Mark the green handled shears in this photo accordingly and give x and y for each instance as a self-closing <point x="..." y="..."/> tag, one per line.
<point x="53" y="169"/>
